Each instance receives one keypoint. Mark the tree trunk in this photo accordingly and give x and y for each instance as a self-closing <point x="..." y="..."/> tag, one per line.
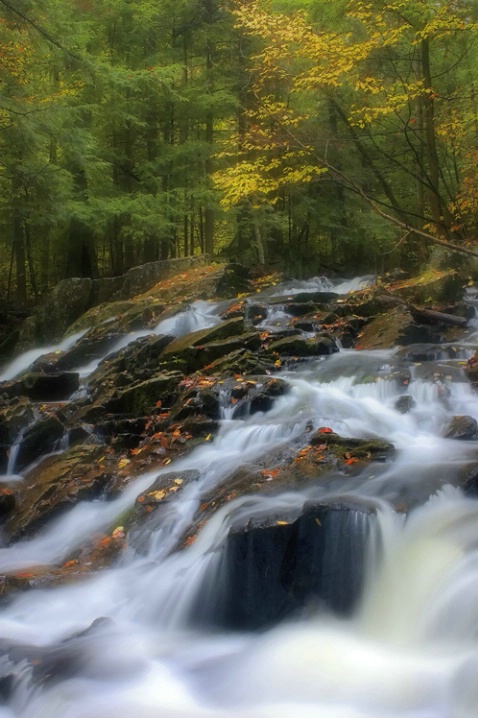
<point x="81" y="258"/>
<point x="18" y="240"/>
<point x="438" y="209"/>
<point x="209" y="210"/>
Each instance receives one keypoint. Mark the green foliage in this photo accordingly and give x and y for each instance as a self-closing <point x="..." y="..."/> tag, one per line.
<point x="132" y="130"/>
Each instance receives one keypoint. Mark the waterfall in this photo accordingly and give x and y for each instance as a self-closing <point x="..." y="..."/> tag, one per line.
<point x="318" y="600"/>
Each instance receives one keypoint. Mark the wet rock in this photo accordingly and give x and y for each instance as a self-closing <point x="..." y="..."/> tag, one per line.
<point x="242" y="361"/>
<point x="369" y="449"/>
<point x="199" y="425"/>
<point x="199" y="349"/>
<point x="197" y="401"/>
<point x="136" y="362"/>
<point x="370" y="302"/>
<point x="39" y="439"/>
<point x="274" y="568"/>
<point x="50" y="387"/>
<point x="164" y="489"/>
<point x="122" y="433"/>
<point x="471" y="369"/>
<point x="7" y="501"/>
<point x="462" y="427"/>
<point x="14" y="416"/>
<point x="395" y="327"/>
<point x="313" y="321"/>
<point x="296" y="345"/>
<point x="192" y="359"/>
<point x="56" y="484"/>
<point x="315" y="298"/>
<point x="225" y="330"/>
<point x="255" y="313"/>
<point x="405" y="403"/>
<point x="428" y="352"/>
<point x="93" y="346"/>
<point x="255" y="396"/>
<point x="142" y="398"/>
<point x="468" y="480"/>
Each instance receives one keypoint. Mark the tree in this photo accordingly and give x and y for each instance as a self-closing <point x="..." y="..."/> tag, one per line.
<point x="368" y="86"/>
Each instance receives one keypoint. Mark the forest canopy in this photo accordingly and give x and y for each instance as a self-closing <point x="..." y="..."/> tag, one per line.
<point x="306" y="134"/>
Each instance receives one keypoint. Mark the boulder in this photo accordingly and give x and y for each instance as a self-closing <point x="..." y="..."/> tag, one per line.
<point x="7" y="501"/>
<point x="395" y="327"/>
<point x="427" y="352"/>
<point x="242" y="361"/>
<point x="462" y="427"/>
<point x="50" y="387"/>
<point x="433" y="285"/>
<point x="255" y="396"/>
<point x="143" y="397"/>
<point x="57" y="483"/>
<point x="229" y="328"/>
<point x="296" y="345"/>
<point x="40" y="438"/>
<point x="405" y="403"/>
<point x="272" y="569"/>
<point x="197" y="401"/>
<point x="364" y="449"/>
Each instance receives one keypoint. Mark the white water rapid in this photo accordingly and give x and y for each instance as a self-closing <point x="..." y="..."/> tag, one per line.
<point x="410" y="648"/>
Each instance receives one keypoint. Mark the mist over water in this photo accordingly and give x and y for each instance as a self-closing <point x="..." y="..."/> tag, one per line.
<point x="410" y="647"/>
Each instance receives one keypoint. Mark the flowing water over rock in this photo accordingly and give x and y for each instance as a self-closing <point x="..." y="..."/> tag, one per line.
<point x="363" y="585"/>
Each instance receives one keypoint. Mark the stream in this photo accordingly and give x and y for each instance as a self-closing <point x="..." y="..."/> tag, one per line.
<point x="128" y="641"/>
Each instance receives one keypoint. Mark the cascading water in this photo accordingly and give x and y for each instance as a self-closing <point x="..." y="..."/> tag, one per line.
<point x="408" y="649"/>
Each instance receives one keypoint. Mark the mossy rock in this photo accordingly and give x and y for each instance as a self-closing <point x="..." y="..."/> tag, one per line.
<point x="367" y="449"/>
<point x="395" y="327"/>
<point x="99" y="315"/>
<point x="296" y="345"/>
<point x="57" y="483"/>
<point x="430" y="287"/>
<point x="242" y="361"/>
<point x="142" y="398"/>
